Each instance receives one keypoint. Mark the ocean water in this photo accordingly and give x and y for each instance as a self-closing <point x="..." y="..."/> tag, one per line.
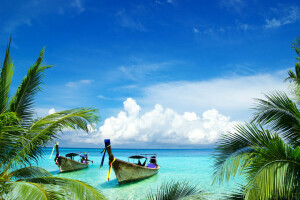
<point x="194" y="166"/>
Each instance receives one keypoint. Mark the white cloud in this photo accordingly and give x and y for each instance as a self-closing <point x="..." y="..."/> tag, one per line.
<point x="161" y="125"/>
<point x="79" y="83"/>
<point x="232" y="96"/>
<point x="188" y="113"/>
<point x="286" y="15"/>
<point x="51" y="111"/>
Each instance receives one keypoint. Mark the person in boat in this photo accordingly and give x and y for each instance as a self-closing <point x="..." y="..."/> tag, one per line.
<point x="153" y="160"/>
<point x="84" y="158"/>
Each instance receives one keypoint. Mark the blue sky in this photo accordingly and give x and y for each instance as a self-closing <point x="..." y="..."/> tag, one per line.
<point x="203" y="62"/>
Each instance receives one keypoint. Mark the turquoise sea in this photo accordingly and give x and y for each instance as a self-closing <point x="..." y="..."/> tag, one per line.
<point x="195" y="166"/>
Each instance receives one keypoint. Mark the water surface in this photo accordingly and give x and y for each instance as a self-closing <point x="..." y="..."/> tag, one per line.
<point x="195" y="166"/>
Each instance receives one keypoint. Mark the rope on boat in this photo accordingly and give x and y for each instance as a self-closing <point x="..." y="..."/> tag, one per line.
<point x="104" y="151"/>
<point x="53" y="150"/>
<point x="109" y="170"/>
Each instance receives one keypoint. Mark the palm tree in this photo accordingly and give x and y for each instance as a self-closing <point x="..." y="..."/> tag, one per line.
<point x="296" y="47"/>
<point x="175" y="190"/>
<point x="22" y="138"/>
<point x="270" y="167"/>
<point x="295" y="77"/>
<point x="266" y="152"/>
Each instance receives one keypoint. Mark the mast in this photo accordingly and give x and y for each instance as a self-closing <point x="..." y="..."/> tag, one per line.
<point x="57" y="151"/>
<point x="108" y="148"/>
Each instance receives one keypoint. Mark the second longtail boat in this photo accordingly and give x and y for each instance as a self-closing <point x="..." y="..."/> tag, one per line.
<point x="127" y="171"/>
<point x="68" y="163"/>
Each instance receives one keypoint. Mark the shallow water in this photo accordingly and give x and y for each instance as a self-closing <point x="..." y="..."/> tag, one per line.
<point x="195" y="166"/>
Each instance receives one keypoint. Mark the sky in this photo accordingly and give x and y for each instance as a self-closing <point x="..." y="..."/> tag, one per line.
<point x="163" y="73"/>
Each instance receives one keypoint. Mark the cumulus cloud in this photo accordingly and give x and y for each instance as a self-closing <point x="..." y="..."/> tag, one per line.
<point x="161" y="125"/>
<point x="232" y="96"/>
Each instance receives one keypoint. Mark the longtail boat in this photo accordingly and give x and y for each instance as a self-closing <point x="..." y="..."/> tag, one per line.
<point x="68" y="163"/>
<point x="127" y="171"/>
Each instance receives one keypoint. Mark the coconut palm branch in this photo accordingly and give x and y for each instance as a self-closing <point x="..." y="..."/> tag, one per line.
<point x="29" y="190"/>
<point x="274" y="172"/>
<point x="40" y="184"/>
<point x="29" y="147"/>
<point x="176" y="190"/>
<point x="5" y="80"/>
<point x="9" y="133"/>
<point x="40" y="181"/>
<point x="296" y="47"/>
<point x="22" y="140"/>
<point x="270" y="166"/>
<point x="234" y="151"/>
<point x="74" y="188"/>
<point x="280" y="114"/>
<point x="237" y="194"/>
<point x="23" y="100"/>
<point x="294" y="77"/>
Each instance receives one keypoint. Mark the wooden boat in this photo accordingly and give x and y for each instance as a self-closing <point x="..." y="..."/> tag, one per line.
<point x="129" y="172"/>
<point x="68" y="163"/>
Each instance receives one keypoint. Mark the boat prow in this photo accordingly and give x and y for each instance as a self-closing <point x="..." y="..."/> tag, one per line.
<point x="67" y="165"/>
<point x="129" y="172"/>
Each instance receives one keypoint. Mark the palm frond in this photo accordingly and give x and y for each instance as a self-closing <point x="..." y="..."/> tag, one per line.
<point x="280" y="114"/>
<point x="30" y="191"/>
<point x="173" y="190"/>
<point x="237" y="194"/>
<point x="5" y="80"/>
<point x="43" y="131"/>
<point x="75" y="189"/>
<point x="23" y="100"/>
<point x="294" y="78"/>
<point x="29" y="172"/>
<point x="296" y="47"/>
<point x="234" y="151"/>
<point x="275" y="171"/>
<point x="10" y="130"/>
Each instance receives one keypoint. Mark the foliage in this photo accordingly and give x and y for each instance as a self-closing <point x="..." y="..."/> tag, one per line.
<point x="22" y="138"/>
<point x="266" y="152"/>
<point x="296" y="47"/>
<point x="173" y="190"/>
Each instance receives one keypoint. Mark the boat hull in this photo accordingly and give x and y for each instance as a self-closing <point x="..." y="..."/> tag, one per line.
<point x="129" y="172"/>
<point x="66" y="164"/>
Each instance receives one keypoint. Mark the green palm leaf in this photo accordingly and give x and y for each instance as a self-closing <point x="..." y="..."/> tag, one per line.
<point x="9" y="133"/>
<point x="75" y="189"/>
<point x="22" y="140"/>
<point x="234" y="151"/>
<point x="280" y="114"/>
<point x="29" y="172"/>
<point x="176" y="190"/>
<point x="31" y="191"/>
<point x="22" y="101"/>
<point x="275" y="171"/>
<point x="43" y="131"/>
<point x="296" y="47"/>
<point x="5" y="80"/>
